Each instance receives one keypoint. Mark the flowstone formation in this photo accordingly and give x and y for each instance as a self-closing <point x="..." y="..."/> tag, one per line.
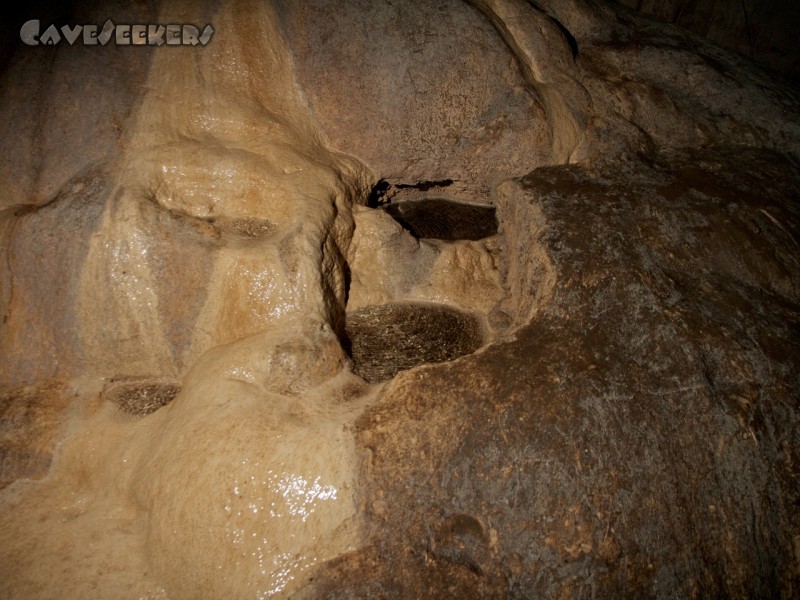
<point x="398" y="299"/>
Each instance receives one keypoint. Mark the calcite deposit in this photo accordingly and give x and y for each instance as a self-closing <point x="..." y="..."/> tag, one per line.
<point x="404" y="299"/>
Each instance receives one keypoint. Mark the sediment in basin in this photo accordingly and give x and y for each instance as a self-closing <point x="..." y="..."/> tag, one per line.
<point x="385" y="339"/>
<point x="140" y="398"/>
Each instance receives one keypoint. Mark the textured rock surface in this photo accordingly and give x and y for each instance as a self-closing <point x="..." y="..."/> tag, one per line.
<point x="763" y="31"/>
<point x="419" y="93"/>
<point x="190" y="234"/>
<point x="639" y="437"/>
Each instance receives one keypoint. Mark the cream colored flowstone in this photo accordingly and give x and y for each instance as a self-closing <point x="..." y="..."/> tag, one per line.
<point x="247" y="478"/>
<point x="246" y="481"/>
<point x="230" y="491"/>
<point x="247" y="489"/>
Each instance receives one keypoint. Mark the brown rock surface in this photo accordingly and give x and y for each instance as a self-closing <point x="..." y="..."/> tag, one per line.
<point x="599" y="399"/>
<point x="32" y="421"/>
<point x="422" y="92"/>
<point x="764" y="31"/>
<point x="639" y="437"/>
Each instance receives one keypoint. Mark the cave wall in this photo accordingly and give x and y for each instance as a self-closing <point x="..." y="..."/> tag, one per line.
<point x="232" y="365"/>
<point x="763" y="31"/>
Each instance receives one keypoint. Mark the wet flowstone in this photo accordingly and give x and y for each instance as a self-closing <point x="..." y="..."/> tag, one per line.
<point x="388" y="338"/>
<point x="439" y="219"/>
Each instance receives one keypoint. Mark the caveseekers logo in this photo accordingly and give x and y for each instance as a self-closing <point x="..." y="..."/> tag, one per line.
<point x="122" y="35"/>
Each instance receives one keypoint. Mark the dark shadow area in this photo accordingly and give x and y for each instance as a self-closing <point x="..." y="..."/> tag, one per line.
<point x="376" y="196"/>
<point x="424" y="186"/>
<point x="571" y="41"/>
<point x="438" y="219"/>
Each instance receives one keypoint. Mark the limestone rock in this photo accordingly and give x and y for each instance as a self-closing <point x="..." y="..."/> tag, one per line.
<point x="763" y="31"/>
<point x="399" y="299"/>
<point x="32" y="422"/>
<point x="421" y="92"/>
<point x="621" y="442"/>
